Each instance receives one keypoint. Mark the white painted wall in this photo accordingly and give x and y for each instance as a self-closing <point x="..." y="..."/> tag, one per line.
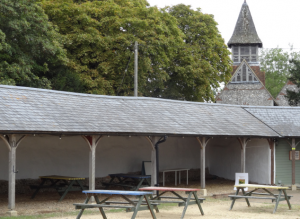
<point x="225" y="159"/>
<point x="48" y="155"/>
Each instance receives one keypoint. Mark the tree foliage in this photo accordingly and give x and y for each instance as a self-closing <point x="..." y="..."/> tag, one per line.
<point x="30" y="50"/>
<point x="294" y="96"/>
<point x="204" y="62"/>
<point x="275" y="63"/>
<point x="99" y="37"/>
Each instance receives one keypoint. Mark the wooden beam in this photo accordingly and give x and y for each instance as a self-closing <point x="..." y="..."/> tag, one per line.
<point x="6" y="141"/>
<point x="92" y="142"/>
<point x="272" y="148"/>
<point x="293" y="145"/>
<point x="243" y="142"/>
<point x="13" y="143"/>
<point x="293" y="162"/>
<point x="203" y="142"/>
<point x="12" y="172"/>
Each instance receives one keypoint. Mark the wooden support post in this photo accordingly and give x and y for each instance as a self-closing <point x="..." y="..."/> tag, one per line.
<point x="92" y="164"/>
<point x="293" y="146"/>
<point x="272" y="148"/>
<point x="92" y="143"/>
<point x="203" y="142"/>
<point x="293" y="163"/>
<point x="152" y="142"/>
<point x="12" y="143"/>
<point x="243" y="142"/>
<point x="12" y="172"/>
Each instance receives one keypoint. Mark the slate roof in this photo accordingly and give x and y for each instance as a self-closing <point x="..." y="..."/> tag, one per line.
<point x="31" y="110"/>
<point x="284" y="120"/>
<point x="245" y="31"/>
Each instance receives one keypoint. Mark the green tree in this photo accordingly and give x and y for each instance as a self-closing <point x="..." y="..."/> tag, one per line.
<point x="275" y="63"/>
<point x="31" y="53"/>
<point x="99" y="38"/>
<point x="294" y="96"/>
<point x="203" y="63"/>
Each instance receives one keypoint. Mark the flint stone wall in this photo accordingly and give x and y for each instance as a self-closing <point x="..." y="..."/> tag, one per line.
<point x="245" y="94"/>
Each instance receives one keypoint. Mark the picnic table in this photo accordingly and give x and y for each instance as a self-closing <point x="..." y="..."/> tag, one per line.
<point x="268" y="195"/>
<point x="129" y="181"/>
<point x="62" y="184"/>
<point x="130" y="205"/>
<point x="182" y="201"/>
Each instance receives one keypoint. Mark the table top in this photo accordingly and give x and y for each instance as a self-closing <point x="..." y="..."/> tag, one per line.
<point x="178" y="169"/>
<point x="170" y="189"/>
<point x="130" y="176"/>
<point x="116" y="192"/>
<point x="62" y="177"/>
<point x="260" y="186"/>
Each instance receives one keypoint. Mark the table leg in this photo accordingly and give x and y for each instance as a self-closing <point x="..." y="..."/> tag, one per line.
<point x="111" y="180"/>
<point x="187" y="201"/>
<point x="163" y="178"/>
<point x="175" y="178"/>
<point x="248" y="203"/>
<point x="233" y="200"/>
<point x="81" y="211"/>
<point x="179" y="177"/>
<point x="80" y="184"/>
<point x="139" y="185"/>
<point x="38" y="188"/>
<point x="187" y="177"/>
<point x="136" y="209"/>
<point x="277" y="200"/>
<point x="287" y="199"/>
<point x="198" y="202"/>
<point x="67" y="190"/>
<point x="150" y="207"/>
<point x="100" y="209"/>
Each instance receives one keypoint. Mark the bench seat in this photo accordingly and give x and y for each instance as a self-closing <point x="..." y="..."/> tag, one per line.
<point x="84" y="206"/>
<point x="243" y="196"/>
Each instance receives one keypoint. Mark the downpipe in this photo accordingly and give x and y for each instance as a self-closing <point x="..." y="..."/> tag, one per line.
<point x="161" y="140"/>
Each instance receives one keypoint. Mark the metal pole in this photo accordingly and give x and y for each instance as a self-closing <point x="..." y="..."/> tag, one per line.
<point x="136" y="69"/>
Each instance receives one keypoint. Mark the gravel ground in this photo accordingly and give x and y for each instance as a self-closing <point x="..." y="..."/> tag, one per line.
<point x="46" y="203"/>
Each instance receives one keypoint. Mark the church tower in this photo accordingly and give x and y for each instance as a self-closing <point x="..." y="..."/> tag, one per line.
<point x="247" y="85"/>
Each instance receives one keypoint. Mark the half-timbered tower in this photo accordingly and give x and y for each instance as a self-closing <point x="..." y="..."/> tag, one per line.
<point x="247" y="85"/>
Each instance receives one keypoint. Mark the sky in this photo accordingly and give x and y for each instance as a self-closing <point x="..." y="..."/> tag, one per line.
<point x="277" y="22"/>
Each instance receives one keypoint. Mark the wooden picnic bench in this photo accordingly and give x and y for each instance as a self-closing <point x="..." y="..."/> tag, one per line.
<point x="181" y="201"/>
<point x="268" y="195"/>
<point x="129" y="205"/>
<point x="62" y="184"/>
<point x="128" y="181"/>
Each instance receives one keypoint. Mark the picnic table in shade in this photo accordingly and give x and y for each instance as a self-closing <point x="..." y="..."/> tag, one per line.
<point x="62" y="184"/>
<point x="268" y="195"/>
<point x="129" y="205"/>
<point x="182" y="201"/>
<point x="128" y="181"/>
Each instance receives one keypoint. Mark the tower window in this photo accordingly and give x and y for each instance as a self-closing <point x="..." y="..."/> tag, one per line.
<point x="244" y="70"/>
<point x="244" y="74"/>
<point x="238" y="77"/>
<point x="249" y="53"/>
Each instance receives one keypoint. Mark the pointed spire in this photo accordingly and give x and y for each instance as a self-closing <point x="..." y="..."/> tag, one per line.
<point x="245" y="31"/>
